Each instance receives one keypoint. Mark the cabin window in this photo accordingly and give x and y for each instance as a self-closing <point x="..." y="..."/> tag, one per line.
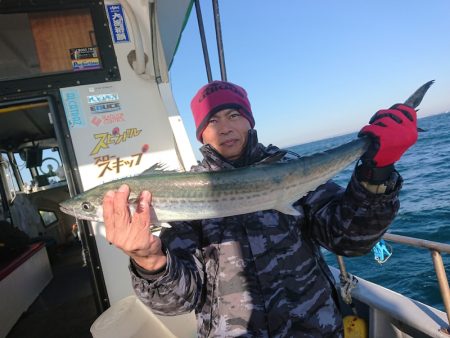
<point x="48" y="217"/>
<point x="51" y="166"/>
<point x="54" y="44"/>
<point x="25" y="172"/>
<point x="10" y="182"/>
<point x="45" y="172"/>
<point x="45" y="43"/>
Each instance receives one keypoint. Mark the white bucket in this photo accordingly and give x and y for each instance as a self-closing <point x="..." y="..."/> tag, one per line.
<point x="129" y="318"/>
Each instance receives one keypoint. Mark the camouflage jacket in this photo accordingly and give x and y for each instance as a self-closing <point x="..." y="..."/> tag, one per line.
<point x="262" y="274"/>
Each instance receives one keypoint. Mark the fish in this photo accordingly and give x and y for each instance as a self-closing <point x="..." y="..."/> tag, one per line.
<point x="187" y="196"/>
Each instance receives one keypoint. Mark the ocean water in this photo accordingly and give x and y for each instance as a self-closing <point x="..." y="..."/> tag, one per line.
<point x="424" y="213"/>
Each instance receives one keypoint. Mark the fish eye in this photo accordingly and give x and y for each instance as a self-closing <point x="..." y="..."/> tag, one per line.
<point x="86" y="206"/>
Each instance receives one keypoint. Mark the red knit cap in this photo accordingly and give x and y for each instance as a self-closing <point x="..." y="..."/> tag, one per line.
<point x="216" y="96"/>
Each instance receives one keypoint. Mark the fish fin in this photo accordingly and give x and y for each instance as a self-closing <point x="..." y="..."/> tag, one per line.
<point x="157" y="227"/>
<point x="158" y="167"/>
<point x="415" y="99"/>
<point x="288" y="209"/>
<point x="274" y="158"/>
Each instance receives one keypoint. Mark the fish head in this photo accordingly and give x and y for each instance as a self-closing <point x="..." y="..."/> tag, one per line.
<point x="87" y="205"/>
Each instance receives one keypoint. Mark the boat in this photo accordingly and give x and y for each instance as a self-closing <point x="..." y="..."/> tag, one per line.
<point x="85" y="98"/>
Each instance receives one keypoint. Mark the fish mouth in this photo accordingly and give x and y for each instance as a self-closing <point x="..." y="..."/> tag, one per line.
<point x="66" y="210"/>
<point x="72" y="212"/>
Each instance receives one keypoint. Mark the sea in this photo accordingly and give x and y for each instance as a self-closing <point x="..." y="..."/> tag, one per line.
<point x="424" y="213"/>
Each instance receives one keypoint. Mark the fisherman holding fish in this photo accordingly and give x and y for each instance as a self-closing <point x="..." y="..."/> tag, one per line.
<point x="261" y="274"/>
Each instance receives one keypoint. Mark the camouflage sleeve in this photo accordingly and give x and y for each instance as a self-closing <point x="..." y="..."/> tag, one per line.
<point x="349" y="222"/>
<point x="178" y="288"/>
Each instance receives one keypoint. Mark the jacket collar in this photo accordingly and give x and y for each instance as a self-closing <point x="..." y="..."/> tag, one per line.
<point x="254" y="153"/>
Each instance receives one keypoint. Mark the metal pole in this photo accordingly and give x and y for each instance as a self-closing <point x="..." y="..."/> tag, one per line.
<point x="223" y="71"/>
<point x="4" y="198"/>
<point x="341" y="263"/>
<point x="443" y="282"/>
<point x="201" y="28"/>
<point x="417" y="242"/>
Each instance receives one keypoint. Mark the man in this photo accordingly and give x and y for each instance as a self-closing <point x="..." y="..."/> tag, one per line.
<point x="261" y="274"/>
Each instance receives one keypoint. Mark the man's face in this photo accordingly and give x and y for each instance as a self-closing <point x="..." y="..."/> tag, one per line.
<point x="227" y="132"/>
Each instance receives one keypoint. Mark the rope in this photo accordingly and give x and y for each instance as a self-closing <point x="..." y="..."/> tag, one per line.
<point x="348" y="283"/>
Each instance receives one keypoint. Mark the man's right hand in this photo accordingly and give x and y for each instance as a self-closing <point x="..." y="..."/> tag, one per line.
<point x="131" y="233"/>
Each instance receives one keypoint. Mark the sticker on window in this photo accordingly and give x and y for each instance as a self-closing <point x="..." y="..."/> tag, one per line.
<point x="85" y="58"/>
<point x="118" y="24"/>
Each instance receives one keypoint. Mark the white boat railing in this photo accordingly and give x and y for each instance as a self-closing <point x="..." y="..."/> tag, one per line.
<point x="436" y="249"/>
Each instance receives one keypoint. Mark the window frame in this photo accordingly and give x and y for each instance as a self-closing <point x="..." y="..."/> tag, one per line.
<point x="108" y="72"/>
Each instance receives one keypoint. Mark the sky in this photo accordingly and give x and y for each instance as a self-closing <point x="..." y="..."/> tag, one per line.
<point x="314" y="68"/>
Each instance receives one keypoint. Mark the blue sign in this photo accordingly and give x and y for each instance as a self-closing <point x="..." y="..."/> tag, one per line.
<point x="118" y="25"/>
<point x="73" y="109"/>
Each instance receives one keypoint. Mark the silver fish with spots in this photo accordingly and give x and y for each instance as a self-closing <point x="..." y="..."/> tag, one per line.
<point x="191" y="196"/>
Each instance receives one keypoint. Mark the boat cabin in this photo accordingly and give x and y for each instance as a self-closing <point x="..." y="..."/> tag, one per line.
<point x="84" y="99"/>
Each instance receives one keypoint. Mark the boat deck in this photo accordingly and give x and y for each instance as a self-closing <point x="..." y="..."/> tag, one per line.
<point x="66" y="307"/>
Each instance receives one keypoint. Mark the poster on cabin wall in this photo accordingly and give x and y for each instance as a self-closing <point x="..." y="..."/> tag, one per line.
<point x="111" y="138"/>
<point x="118" y="129"/>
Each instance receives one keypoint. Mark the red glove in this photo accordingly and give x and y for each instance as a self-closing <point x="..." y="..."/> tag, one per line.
<point x="392" y="132"/>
